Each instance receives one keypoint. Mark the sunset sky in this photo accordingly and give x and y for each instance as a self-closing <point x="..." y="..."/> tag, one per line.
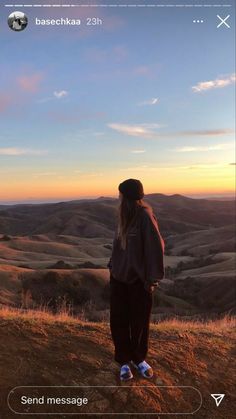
<point x="148" y="94"/>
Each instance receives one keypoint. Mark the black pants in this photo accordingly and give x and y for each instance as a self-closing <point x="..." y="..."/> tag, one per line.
<point x="130" y="309"/>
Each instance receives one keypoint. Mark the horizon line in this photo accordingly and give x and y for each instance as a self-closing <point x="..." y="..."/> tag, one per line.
<point x="37" y="201"/>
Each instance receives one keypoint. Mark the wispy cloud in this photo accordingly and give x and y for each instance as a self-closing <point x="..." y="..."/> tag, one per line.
<point x="217" y="147"/>
<point x="141" y="130"/>
<point x="207" y="133"/>
<point x="56" y="95"/>
<point x="150" y="131"/>
<point x="218" y="83"/>
<point x="60" y="94"/>
<point x="145" y="168"/>
<point x="152" y="101"/>
<point x="201" y="167"/>
<point x="30" y="83"/>
<point x="138" y="151"/>
<point x="13" y="151"/>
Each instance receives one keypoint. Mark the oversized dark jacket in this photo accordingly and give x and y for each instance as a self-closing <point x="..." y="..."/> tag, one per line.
<point x="143" y="256"/>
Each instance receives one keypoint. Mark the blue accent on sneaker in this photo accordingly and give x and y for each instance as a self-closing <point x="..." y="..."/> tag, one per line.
<point x="144" y="368"/>
<point x="125" y="373"/>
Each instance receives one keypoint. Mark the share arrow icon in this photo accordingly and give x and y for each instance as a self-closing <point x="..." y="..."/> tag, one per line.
<point x="218" y="398"/>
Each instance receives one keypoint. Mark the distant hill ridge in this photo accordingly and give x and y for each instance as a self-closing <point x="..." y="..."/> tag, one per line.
<point x="97" y="217"/>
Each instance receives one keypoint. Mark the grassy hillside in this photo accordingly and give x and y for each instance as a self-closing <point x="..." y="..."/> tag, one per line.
<point x="204" y="293"/>
<point x="40" y="349"/>
<point x="41" y="252"/>
<point x="204" y="242"/>
<point x="96" y="218"/>
<point x="86" y="290"/>
<point x="74" y="239"/>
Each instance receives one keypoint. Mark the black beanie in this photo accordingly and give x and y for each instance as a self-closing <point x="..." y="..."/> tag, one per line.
<point x="132" y="189"/>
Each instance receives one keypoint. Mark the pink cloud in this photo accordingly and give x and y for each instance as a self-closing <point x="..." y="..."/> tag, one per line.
<point x="5" y="101"/>
<point x="30" y="83"/>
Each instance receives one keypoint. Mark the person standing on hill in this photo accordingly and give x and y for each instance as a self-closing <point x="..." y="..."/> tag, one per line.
<point x="136" y="266"/>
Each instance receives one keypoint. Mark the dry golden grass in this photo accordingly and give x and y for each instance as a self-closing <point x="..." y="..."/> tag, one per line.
<point x="42" y="314"/>
<point x="225" y="324"/>
<point x="39" y="348"/>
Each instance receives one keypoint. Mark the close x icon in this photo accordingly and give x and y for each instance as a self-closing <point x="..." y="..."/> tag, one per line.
<point x="223" y="21"/>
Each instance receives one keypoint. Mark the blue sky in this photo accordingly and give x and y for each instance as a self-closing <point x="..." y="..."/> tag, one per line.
<point x="147" y="94"/>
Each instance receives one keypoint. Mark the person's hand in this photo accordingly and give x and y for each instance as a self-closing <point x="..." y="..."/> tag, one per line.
<point x="150" y="287"/>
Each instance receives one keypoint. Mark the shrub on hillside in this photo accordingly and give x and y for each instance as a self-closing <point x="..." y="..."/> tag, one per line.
<point x="60" y="264"/>
<point x="53" y="290"/>
<point x="5" y="237"/>
<point x="89" y="265"/>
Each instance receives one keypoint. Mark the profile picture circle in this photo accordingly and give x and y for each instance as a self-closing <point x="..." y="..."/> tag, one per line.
<point x="17" y="21"/>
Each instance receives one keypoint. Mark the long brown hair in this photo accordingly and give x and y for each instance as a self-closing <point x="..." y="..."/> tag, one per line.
<point x="127" y="216"/>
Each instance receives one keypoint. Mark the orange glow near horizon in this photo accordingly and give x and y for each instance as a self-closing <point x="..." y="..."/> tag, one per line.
<point x="185" y="181"/>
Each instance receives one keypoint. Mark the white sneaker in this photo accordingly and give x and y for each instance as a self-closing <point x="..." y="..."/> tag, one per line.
<point x="144" y="368"/>
<point x="125" y="373"/>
